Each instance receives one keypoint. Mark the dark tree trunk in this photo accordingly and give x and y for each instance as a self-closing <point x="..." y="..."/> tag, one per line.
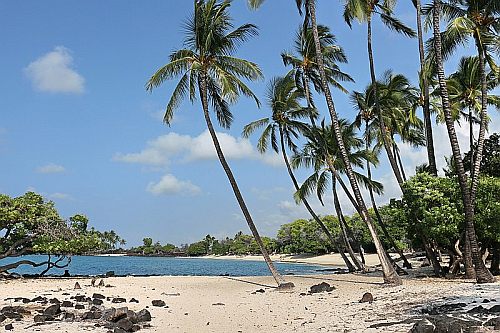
<point x="400" y="162"/>
<point x="495" y="259"/>
<point x="309" y="100"/>
<point x="383" y="129"/>
<point x="431" y="157"/>
<point x="484" y="122"/>
<point x="431" y="255"/>
<point x="406" y="264"/>
<point x="340" y="216"/>
<point x="204" y="100"/>
<point x="483" y="275"/>
<point x="316" y="218"/>
<point x="390" y="275"/>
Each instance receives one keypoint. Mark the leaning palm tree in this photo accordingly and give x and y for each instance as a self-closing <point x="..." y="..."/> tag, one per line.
<point x="321" y="153"/>
<point x="390" y="275"/>
<point x="363" y="11"/>
<point x="284" y="101"/>
<point x="465" y="90"/>
<point x="395" y="100"/>
<point x="478" y="20"/>
<point x="305" y="66"/>
<point x="209" y="67"/>
<point x="482" y="273"/>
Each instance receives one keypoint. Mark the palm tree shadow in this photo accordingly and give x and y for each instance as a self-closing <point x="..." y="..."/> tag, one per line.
<point x="250" y="282"/>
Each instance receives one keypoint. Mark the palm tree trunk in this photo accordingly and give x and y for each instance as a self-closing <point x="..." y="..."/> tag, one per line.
<point x="310" y="104"/>
<point x="390" y="275"/>
<point x="483" y="275"/>
<point x="383" y="129"/>
<point x="406" y="264"/>
<point x="340" y="216"/>
<point x="398" y="157"/>
<point x="426" y="109"/>
<point x="276" y="275"/>
<point x="316" y="218"/>
<point x="484" y="120"/>
<point x="470" y="272"/>
<point x="495" y="259"/>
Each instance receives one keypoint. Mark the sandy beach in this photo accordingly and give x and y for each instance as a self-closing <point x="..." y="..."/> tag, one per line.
<point x="252" y="304"/>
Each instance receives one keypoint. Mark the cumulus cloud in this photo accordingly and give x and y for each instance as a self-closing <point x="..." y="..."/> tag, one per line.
<point x="51" y="168"/>
<point x="60" y="196"/>
<point x="168" y="184"/>
<point x="53" y="72"/>
<point x="185" y="148"/>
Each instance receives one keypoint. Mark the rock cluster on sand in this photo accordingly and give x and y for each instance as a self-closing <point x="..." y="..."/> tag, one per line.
<point x="454" y="318"/>
<point x="117" y="320"/>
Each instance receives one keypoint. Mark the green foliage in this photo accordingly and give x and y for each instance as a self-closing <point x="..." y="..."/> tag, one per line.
<point x="302" y="236"/>
<point x="490" y="163"/>
<point x="433" y="205"/>
<point x="487" y="215"/>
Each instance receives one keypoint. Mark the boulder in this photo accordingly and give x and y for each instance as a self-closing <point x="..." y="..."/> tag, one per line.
<point x="79" y="306"/>
<point x="118" y="300"/>
<point x="98" y="296"/>
<point x="322" y="287"/>
<point x="423" y="326"/>
<point x="77" y="286"/>
<point x="125" y="324"/>
<point x="54" y="301"/>
<point x="143" y="315"/>
<point x="67" y="304"/>
<point x="97" y="301"/>
<point x="89" y="315"/>
<point x="69" y="316"/>
<point x="42" y="318"/>
<point x="133" y="300"/>
<point x="9" y="327"/>
<point x="2" y="318"/>
<point x="52" y="310"/>
<point x="158" y="302"/>
<point x="367" y="297"/>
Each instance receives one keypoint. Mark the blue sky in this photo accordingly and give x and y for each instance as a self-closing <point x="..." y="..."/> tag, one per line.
<point x="78" y="126"/>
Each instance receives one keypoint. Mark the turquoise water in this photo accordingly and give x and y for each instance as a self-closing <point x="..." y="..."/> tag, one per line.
<point x="90" y="265"/>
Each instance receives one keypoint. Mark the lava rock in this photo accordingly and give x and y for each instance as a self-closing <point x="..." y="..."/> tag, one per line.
<point x="88" y="315"/>
<point x="133" y="300"/>
<point x="158" y="302"/>
<point x="9" y="327"/>
<point x="494" y="309"/>
<point x="97" y="301"/>
<point x="2" y="318"/>
<point x="101" y="283"/>
<point x="125" y="324"/>
<point x="79" y="298"/>
<point x="110" y="274"/>
<point x="42" y="318"/>
<point x="52" y="310"/>
<point x="322" y="287"/>
<point x="423" y="326"/>
<point x="39" y="299"/>
<point x="69" y="316"/>
<point x="367" y="297"/>
<point x="132" y="316"/>
<point x="54" y="301"/>
<point x="98" y="296"/>
<point x="67" y="304"/>
<point x="79" y="306"/>
<point x="260" y="291"/>
<point x="118" y="300"/>
<point x="143" y="315"/>
<point x="77" y="286"/>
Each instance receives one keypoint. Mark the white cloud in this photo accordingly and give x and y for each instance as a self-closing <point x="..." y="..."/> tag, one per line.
<point x="168" y="184"/>
<point x="60" y="196"/>
<point x="185" y="148"/>
<point x="53" y="73"/>
<point x="51" y="168"/>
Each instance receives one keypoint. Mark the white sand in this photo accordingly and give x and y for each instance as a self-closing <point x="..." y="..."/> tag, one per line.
<point x="193" y="310"/>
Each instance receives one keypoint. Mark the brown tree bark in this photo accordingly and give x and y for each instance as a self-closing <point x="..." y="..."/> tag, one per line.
<point x="390" y="275"/>
<point x="483" y="275"/>
<point x="239" y="198"/>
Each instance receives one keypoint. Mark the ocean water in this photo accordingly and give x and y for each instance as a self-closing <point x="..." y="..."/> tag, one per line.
<point x="122" y="265"/>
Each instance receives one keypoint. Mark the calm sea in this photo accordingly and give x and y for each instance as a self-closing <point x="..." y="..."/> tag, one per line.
<point x="90" y="265"/>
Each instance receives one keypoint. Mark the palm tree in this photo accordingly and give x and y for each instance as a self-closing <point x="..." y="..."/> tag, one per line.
<point x="478" y="20"/>
<point x="284" y="101"/>
<point x="483" y="275"/>
<point x="322" y="154"/>
<point x="425" y="100"/>
<point x="465" y="90"/>
<point x="207" y="65"/>
<point x="305" y="66"/>
<point x="390" y="275"/>
<point x="363" y="11"/>
<point x="396" y="101"/>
